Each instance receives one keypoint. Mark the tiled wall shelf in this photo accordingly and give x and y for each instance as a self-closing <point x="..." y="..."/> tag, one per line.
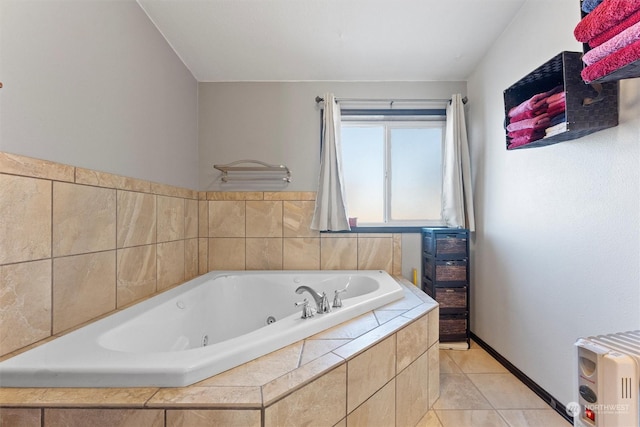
<point x="589" y="108"/>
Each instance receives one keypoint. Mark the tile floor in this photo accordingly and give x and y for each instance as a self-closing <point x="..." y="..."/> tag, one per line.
<point x="477" y="391"/>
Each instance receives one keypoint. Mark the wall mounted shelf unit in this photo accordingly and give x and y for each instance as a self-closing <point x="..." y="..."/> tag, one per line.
<point x="629" y="71"/>
<point x="589" y="108"/>
<point x="253" y="170"/>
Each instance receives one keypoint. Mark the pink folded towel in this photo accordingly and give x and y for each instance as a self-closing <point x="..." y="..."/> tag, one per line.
<point x="533" y="103"/>
<point x="610" y="63"/>
<point x="606" y="15"/>
<point x="633" y="19"/>
<point x="540" y="121"/>
<point x="524" y="132"/>
<point x="529" y="114"/>
<point x="623" y="39"/>
<point x="524" y="140"/>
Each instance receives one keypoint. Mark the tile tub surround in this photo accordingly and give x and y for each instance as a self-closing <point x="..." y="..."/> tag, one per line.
<point x="383" y="365"/>
<point x="79" y="244"/>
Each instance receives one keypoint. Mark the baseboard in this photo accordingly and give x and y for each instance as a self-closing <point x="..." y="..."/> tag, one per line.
<point x="544" y="395"/>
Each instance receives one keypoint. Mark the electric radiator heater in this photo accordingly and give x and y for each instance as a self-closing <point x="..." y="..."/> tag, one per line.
<point x="608" y="381"/>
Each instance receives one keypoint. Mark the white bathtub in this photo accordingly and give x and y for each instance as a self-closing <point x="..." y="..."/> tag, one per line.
<point x="199" y="329"/>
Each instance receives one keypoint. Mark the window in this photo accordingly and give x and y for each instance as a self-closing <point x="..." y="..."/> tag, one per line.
<point x="392" y="165"/>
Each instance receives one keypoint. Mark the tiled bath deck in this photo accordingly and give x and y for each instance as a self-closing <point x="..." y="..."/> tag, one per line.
<point x="378" y="369"/>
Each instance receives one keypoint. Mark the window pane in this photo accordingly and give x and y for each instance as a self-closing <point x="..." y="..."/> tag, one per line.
<point x="416" y="173"/>
<point x="363" y="169"/>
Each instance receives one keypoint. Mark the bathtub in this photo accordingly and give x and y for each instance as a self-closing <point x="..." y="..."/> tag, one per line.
<point x="196" y="330"/>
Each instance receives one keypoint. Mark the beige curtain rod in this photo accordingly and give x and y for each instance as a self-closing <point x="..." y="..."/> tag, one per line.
<point x="320" y="99"/>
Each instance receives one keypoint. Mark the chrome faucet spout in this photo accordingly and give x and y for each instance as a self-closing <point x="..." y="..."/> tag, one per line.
<point x="322" y="302"/>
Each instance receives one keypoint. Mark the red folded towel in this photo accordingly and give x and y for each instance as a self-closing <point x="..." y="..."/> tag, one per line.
<point x="619" y="41"/>
<point x="556" y="97"/>
<point x="630" y="21"/>
<point x="611" y="63"/>
<point x="524" y="132"/>
<point x="606" y="15"/>
<point x="524" y="140"/>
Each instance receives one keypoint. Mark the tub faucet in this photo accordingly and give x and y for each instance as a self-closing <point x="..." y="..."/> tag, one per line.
<point x="320" y="298"/>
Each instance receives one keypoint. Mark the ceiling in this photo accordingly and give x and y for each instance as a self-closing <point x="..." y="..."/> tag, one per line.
<point x="337" y="40"/>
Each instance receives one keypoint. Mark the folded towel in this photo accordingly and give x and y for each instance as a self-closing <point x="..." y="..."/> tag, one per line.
<point x="554" y="130"/>
<point x="556" y="97"/>
<point x="631" y="20"/>
<point x="589" y="5"/>
<point x="524" y="132"/>
<point x="559" y="109"/>
<point x="606" y="15"/>
<point x="558" y="118"/>
<point x="540" y="121"/>
<point x="524" y="140"/>
<point x="623" y="39"/>
<point x="529" y="114"/>
<point x="611" y="63"/>
<point x="535" y="102"/>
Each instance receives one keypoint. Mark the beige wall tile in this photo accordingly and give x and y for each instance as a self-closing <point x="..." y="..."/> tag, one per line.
<point x="226" y="254"/>
<point x="84" y="219"/>
<point x="264" y="253"/>
<point x="319" y="403"/>
<point x="203" y="256"/>
<point x="103" y="179"/>
<point x="212" y="417"/>
<point x="227" y="219"/>
<point x="413" y="340"/>
<point x="136" y="219"/>
<point x="191" y="219"/>
<point x="25" y="219"/>
<point x="433" y="356"/>
<point x="82" y="397"/>
<point x="397" y="255"/>
<point x="297" y="216"/>
<point x="171" y="218"/>
<point x="264" y="218"/>
<point x="375" y="253"/>
<point x="84" y="287"/>
<point x="235" y="195"/>
<point x="412" y="392"/>
<point x="28" y="166"/>
<point x="190" y="258"/>
<point x="434" y="326"/>
<point x="339" y="254"/>
<point x="170" y="264"/>
<point x="301" y="253"/>
<point x="379" y="410"/>
<point x="103" y="417"/>
<point x="171" y="191"/>
<point x="136" y="277"/>
<point x="369" y="371"/>
<point x="203" y="218"/>
<point x="20" y="417"/>
<point x="25" y="304"/>
<point x="203" y="397"/>
<point x="290" y="195"/>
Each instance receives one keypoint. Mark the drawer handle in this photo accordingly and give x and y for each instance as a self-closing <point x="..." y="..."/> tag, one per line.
<point x="449" y="291"/>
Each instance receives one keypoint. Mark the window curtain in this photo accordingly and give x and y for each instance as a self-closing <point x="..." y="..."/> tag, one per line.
<point x="457" y="197"/>
<point x="331" y="208"/>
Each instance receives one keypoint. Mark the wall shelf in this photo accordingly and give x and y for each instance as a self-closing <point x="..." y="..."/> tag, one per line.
<point x="253" y="170"/>
<point x="589" y="108"/>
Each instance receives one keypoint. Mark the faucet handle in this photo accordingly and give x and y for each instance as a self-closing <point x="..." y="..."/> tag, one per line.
<point x="306" y="310"/>
<point x="337" y="302"/>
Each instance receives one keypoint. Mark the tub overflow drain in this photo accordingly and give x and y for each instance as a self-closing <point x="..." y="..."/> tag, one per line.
<point x="205" y="340"/>
<point x="271" y="320"/>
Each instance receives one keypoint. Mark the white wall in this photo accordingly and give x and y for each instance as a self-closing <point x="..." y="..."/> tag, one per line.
<point x="280" y="122"/>
<point x="94" y="84"/>
<point x="557" y="252"/>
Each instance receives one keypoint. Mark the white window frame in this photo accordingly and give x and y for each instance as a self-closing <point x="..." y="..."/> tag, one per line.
<point x="389" y="123"/>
